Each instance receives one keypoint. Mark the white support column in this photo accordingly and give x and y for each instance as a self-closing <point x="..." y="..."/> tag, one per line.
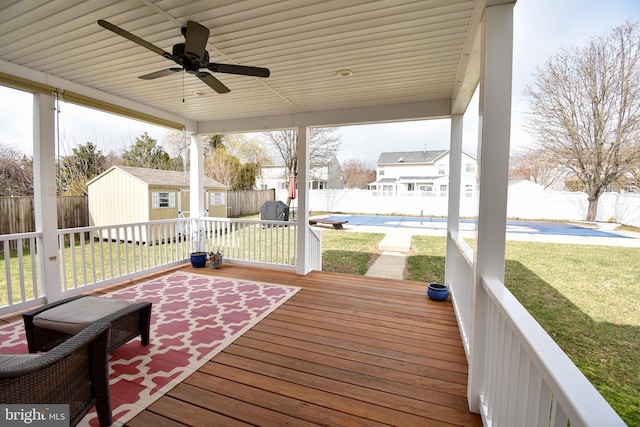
<point x="493" y="166"/>
<point x="302" y="265"/>
<point x="44" y="188"/>
<point x="196" y="185"/>
<point x="455" y="180"/>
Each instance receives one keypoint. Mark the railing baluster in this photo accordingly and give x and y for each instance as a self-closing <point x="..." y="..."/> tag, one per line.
<point x="63" y="260"/>
<point x="33" y="256"/>
<point x="7" y="264"/>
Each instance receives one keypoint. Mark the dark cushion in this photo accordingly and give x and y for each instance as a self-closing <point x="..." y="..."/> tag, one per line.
<point x="74" y="316"/>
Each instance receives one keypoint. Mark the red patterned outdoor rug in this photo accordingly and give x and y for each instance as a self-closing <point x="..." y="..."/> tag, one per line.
<point x="194" y="317"/>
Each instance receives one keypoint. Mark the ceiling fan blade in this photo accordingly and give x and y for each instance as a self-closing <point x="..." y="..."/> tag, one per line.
<point x="196" y="37"/>
<point x="160" y="73"/>
<point x="238" y="69"/>
<point x="127" y="35"/>
<point x="213" y="83"/>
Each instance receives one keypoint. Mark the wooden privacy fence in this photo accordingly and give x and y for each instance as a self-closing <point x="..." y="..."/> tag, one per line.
<point x="247" y="202"/>
<point x="17" y="213"/>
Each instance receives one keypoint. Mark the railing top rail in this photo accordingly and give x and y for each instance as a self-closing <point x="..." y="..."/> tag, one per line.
<point x="249" y="221"/>
<point x="131" y="224"/>
<point x="577" y="396"/>
<point x="462" y="246"/>
<point x="16" y="236"/>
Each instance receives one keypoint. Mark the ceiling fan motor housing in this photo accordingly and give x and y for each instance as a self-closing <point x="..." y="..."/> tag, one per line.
<point x="190" y="62"/>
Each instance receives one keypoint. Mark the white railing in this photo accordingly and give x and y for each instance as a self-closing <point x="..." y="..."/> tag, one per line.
<point x="92" y="257"/>
<point x="20" y="285"/>
<point x="314" y="249"/>
<point x="459" y="278"/>
<point x="256" y="242"/>
<point x="97" y="256"/>
<point x="527" y="379"/>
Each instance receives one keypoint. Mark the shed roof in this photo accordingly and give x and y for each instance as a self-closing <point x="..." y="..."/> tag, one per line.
<point x="161" y="178"/>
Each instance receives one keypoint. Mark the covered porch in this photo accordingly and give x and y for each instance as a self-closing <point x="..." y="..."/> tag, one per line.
<point x="404" y="61"/>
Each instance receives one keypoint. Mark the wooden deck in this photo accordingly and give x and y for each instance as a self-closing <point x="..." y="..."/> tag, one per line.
<point x="344" y="351"/>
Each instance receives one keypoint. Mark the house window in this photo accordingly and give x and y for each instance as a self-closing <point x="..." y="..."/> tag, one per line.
<point x="443" y="188"/>
<point x="411" y="186"/>
<point x="216" y="199"/>
<point x="468" y="190"/>
<point x="160" y="199"/>
<point x="470" y="168"/>
<point x="441" y="169"/>
<point x="263" y="186"/>
<point x="426" y="187"/>
<point x="381" y="172"/>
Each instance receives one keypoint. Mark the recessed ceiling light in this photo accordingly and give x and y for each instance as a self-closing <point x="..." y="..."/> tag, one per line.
<point x="344" y="73"/>
<point x="198" y="92"/>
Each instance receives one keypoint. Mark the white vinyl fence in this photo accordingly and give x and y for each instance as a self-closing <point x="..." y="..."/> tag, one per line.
<point x="623" y="208"/>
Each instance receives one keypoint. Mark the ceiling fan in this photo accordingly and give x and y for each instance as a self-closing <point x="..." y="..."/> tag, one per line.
<point x="191" y="56"/>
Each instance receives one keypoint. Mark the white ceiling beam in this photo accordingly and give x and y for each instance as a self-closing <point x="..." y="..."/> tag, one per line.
<point x="341" y="117"/>
<point x="38" y="78"/>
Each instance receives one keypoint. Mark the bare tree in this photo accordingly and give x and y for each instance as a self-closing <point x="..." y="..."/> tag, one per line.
<point x="16" y="173"/>
<point x="585" y="109"/>
<point x="322" y="145"/>
<point x="356" y="175"/>
<point x="536" y="166"/>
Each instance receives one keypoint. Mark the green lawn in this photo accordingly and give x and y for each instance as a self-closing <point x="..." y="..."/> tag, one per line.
<point x="350" y="253"/>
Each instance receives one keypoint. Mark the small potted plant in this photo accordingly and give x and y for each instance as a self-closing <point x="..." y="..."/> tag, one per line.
<point x="215" y="259"/>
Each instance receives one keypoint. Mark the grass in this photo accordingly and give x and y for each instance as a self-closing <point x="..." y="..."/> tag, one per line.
<point x="350" y="253"/>
<point x="586" y="297"/>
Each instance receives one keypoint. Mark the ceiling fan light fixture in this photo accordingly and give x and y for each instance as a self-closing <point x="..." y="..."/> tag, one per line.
<point x="344" y="73"/>
<point x="198" y="92"/>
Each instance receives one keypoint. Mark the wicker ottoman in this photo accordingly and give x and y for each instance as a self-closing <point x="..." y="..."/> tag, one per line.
<point x="48" y="326"/>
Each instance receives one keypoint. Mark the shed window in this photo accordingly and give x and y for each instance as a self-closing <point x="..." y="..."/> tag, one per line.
<point x="216" y="199"/>
<point x="162" y="199"/>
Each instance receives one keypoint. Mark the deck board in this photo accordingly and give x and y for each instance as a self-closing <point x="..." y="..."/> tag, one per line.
<point x="344" y="351"/>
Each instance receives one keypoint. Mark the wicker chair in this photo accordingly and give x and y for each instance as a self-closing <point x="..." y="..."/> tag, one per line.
<point x="74" y="373"/>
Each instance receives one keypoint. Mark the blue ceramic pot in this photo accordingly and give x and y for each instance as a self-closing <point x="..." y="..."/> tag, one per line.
<point x="438" y="292"/>
<point x="198" y="259"/>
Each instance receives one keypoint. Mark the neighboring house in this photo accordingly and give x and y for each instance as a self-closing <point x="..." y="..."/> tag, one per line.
<point x="325" y="176"/>
<point x="123" y="195"/>
<point x="421" y="172"/>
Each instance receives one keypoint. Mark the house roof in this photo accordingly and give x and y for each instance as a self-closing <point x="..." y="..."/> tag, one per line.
<point x="408" y="59"/>
<point x="161" y="178"/>
<point x="398" y="157"/>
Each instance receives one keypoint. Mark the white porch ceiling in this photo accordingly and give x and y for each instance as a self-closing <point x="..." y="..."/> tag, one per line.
<point x="415" y="53"/>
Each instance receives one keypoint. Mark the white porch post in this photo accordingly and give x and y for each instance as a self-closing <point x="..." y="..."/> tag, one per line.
<point x="44" y="193"/>
<point x="455" y="179"/>
<point x="302" y="264"/>
<point x="493" y="166"/>
<point x="196" y="184"/>
<point x="455" y="174"/>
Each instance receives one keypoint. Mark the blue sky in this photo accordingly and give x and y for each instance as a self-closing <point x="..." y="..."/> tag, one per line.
<point x="541" y="28"/>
